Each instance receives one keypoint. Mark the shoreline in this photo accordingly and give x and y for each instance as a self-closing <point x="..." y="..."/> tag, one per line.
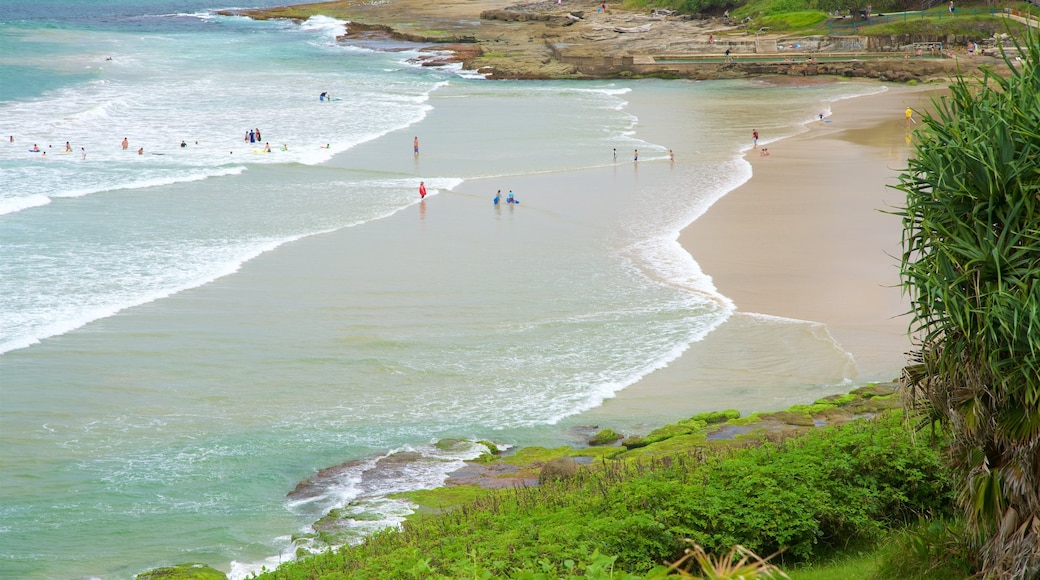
<point x="809" y="263"/>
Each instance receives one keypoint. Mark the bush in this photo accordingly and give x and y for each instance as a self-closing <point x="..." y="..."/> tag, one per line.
<point x="807" y="495"/>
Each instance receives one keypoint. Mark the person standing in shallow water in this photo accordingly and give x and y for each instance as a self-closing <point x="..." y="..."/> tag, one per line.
<point x="754" y="138"/>
<point x="415" y="145"/>
<point x="635" y="156"/>
<point x="422" y="190"/>
<point x="125" y="143"/>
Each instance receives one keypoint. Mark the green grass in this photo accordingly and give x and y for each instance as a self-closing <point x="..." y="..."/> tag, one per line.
<point x="857" y="566"/>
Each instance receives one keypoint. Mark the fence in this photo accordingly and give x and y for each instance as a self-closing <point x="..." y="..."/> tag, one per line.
<point x="841" y="29"/>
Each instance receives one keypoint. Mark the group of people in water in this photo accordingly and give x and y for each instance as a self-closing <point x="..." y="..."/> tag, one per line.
<point x="68" y="149"/>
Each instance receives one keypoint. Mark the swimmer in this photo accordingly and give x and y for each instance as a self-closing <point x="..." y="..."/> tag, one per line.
<point x="84" y="158"/>
<point x="68" y="148"/>
<point x="285" y="147"/>
<point x="267" y="147"/>
<point x="140" y="151"/>
<point x="125" y="143"/>
<point x="183" y="144"/>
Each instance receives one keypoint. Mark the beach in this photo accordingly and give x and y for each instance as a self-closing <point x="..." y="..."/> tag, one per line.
<point x="809" y="255"/>
<point x="192" y="332"/>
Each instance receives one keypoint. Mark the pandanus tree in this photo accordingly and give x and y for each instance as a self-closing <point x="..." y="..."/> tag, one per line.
<point x="971" y="266"/>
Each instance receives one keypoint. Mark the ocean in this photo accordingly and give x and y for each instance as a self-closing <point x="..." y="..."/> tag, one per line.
<point x="190" y="326"/>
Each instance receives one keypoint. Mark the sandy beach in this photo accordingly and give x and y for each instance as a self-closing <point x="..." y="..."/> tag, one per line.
<point x="808" y="255"/>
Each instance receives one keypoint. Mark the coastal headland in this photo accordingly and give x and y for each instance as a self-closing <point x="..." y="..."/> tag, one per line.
<point x="503" y="39"/>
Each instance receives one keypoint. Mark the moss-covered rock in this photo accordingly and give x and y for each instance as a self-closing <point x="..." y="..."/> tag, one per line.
<point x="605" y="437"/>
<point x="190" y="571"/>
<point x="712" y="417"/>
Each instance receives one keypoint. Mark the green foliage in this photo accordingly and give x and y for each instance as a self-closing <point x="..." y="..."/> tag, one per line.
<point x="939" y="23"/>
<point x="971" y="265"/>
<point x="807" y="495"/>
<point x="934" y="549"/>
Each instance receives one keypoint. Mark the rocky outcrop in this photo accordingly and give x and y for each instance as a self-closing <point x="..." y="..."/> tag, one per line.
<point x="558" y="469"/>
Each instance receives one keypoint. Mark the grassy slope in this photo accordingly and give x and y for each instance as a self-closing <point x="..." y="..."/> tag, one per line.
<point x="822" y="493"/>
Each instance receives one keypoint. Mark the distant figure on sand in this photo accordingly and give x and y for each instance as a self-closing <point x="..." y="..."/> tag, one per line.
<point x="125" y="143"/>
<point x="754" y="138"/>
<point x="415" y="145"/>
<point x="422" y="190"/>
<point x="765" y="152"/>
<point x="498" y="197"/>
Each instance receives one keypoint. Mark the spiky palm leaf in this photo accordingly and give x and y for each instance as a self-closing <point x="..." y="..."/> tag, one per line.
<point x="971" y="265"/>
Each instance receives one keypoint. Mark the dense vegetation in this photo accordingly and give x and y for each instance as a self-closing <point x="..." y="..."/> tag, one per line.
<point x="971" y="264"/>
<point x="808" y="496"/>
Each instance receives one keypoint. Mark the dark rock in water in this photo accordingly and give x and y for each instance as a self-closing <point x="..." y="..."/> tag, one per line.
<point x="193" y="571"/>
<point x="558" y="469"/>
<point x="315" y="485"/>
<point x="399" y="457"/>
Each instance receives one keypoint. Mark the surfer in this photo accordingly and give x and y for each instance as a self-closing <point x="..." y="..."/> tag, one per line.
<point x="498" y="197"/>
<point x="35" y="149"/>
<point x="285" y="147"/>
<point x="267" y="147"/>
<point x="422" y="190"/>
<point x="321" y="97"/>
<point x="125" y="143"/>
<point x="68" y="148"/>
<point x="510" y="198"/>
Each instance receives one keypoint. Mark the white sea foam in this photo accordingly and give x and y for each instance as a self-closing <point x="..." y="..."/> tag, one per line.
<point x="15" y="204"/>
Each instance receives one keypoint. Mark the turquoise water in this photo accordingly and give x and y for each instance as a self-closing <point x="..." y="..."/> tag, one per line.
<point x="190" y="332"/>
